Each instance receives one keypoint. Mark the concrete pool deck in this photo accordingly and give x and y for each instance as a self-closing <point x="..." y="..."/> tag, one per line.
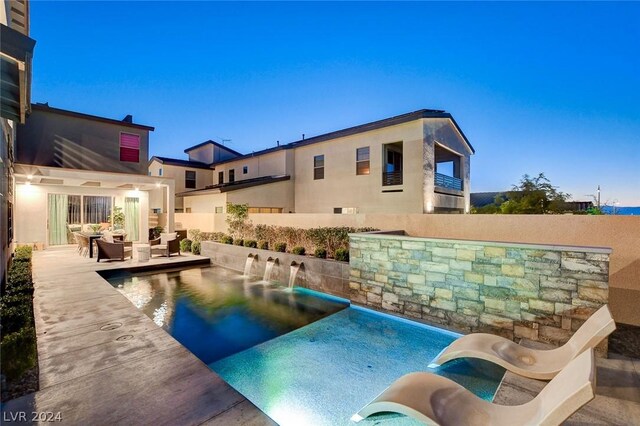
<point x="102" y="361"/>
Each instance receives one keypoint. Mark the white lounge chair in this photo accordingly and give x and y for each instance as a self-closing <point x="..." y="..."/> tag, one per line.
<point x="436" y="400"/>
<point x="536" y="364"/>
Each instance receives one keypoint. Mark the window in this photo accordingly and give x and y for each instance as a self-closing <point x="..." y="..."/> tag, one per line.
<point x="160" y="171"/>
<point x="96" y="209"/>
<point x="220" y="178"/>
<point x="219" y="209"/>
<point x="245" y="170"/>
<point x="362" y="161"/>
<point x="318" y="167"/>
<point x="9" y="223"/>
<point x="232" y="175"/>
<point x="190" y="179"/>
<point x="337" y="210"/>
<point x="129" y="147"/>
<point x="392" y="164"/>
<point x="188" y="210"/>
<point x="265" y="210"/>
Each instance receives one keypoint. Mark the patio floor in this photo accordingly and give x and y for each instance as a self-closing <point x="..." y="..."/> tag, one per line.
<point x="102" y="361"/>
<point x="617" y="400"/>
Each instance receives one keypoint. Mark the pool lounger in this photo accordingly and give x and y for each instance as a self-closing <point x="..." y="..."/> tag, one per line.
<point x="532" y="363"/>
<point x="435" y="400"/>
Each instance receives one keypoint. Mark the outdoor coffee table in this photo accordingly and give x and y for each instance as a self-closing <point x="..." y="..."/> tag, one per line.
<point x="144" y="252"/>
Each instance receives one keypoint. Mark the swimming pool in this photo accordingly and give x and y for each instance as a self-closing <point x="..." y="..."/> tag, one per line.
<point x="215" y="313"/>
<point x="301" y="357"/>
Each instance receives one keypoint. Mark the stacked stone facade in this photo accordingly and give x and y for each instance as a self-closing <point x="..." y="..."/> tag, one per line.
<point x="529" y="291"/>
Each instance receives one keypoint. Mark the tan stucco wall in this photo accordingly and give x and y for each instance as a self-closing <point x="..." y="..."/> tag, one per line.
<point x="341" y="187"/>
<point x="205" y="203"/>
<point x="31" y="209"/>
<point x="279" y="194"/>
<point x="204" y="178"/>
<point x="271" y="164"/>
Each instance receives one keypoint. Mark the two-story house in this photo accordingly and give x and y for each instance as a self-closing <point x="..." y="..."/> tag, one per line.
<point x="74" y="170"/>
<point x="412" y="163"/>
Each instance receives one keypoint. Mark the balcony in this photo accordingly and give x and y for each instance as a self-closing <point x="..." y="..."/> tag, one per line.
<point x="449" y="182"/>
<point x="392" y="178"/>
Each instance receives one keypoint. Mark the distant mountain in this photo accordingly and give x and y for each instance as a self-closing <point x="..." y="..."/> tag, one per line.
<point x="626" y="211"/>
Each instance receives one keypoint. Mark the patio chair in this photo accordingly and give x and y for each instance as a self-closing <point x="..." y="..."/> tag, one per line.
<point x="166" y="245"/>
<point x="114" y="251"/>
<point x="532" y="363"/>
<point x="436" y="400"/>
<point x="83" y="240"/>
<point x="76" y="237"/>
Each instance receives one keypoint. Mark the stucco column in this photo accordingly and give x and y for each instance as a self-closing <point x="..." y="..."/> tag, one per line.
<point x="428" y="170"/>
<point x="171" y="200"/>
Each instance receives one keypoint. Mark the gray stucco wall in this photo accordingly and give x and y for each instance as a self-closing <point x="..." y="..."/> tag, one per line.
<point x="57" y="140"/>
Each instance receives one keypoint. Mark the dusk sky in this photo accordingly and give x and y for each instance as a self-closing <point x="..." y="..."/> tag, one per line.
<point x="536" y="87"/>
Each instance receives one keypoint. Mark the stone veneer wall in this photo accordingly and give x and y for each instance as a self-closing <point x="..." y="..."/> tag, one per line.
<point x="515" y="290"/>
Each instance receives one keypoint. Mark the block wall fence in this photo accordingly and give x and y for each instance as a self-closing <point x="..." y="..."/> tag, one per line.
<point x="539" y="292"/>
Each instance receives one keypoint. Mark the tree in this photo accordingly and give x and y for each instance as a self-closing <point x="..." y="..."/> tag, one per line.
<point x="532" y="195"/>
<point x="237" y="215"/>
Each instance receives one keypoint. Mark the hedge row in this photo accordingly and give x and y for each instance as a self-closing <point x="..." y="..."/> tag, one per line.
<point x="18" y="345"/>
<point x="322" y="242"/>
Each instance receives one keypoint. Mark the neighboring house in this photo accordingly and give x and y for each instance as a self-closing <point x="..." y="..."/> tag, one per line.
<point x="74" y="169"/>
<point x="188" y="175"/>
<point x="412" y="163"/>
<point x="16" y="52"/>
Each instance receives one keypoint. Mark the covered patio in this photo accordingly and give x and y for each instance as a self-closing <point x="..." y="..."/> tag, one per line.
<point x="51" y="204"/>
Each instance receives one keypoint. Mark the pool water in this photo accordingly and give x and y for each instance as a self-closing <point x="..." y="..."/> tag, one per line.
<point x="325" y="372"/>
<point x="302" y="357"/>
<point x="215" y="313"/>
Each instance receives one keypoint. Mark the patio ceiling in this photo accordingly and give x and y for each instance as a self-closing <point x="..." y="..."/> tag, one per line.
<point x="41" y="175"/>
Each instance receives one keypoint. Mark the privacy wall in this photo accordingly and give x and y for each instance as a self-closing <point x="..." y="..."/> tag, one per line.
<point x="538" y="292"/>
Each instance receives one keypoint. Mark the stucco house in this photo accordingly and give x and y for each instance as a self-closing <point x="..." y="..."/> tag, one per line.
<point x="412" y="163"/>
<point x="16" y="53"/>
<point x="73" y="170"/>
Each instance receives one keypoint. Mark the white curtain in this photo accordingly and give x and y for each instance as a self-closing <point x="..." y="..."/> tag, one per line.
<point x="96" y="209"/>
<point x="58" y="214"/>
<point x="132" y="218"/>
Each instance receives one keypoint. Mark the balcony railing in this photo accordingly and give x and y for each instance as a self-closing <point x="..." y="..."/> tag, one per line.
<point x="392" y="178"/>
<point x="449" y="182"/>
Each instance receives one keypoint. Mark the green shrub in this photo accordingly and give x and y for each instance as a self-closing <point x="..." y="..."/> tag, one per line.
<point x="23" y="253"/>
<point x="195" y="235"/>
<point x="263" y="245"/>
<point x="195" y="247"/>
<point x="16" y="317"/>
<point x="9" y="300"/>
<point x="226" y="239"/>
<point x="211" y="236"/>
<point x="320" y="253"/>
<point x="238" y="242"/>
<point x="251" y="243"/>
<point x="342" y="255"/>
<point x="18" y="353"/>
<point x="298" y="250"/>
<point x="281" y="247"/>
<point x="185" y="245"/>
<point x="19" y="278"/>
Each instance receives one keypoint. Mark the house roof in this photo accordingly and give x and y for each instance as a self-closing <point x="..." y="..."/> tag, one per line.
<point x="391" y="121"/>
<point x="177" y="162"/>
<point x="234" y="186"/>
<point x="47" y="108"/>
<point x="219" y="145"/>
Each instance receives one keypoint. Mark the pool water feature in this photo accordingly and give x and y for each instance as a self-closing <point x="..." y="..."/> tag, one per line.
<point x="323" y="373"/>
<point x="215" y="312"/>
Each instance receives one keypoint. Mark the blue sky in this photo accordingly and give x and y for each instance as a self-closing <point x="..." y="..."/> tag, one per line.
<point x="536" y="87"/>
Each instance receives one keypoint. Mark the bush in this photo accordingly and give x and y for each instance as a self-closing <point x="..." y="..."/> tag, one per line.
<point x="251" y="243"/>
<point x="263" y="245"/>
<point x="238" y="242"/>
<point x="16" y="317"/>
<point x="342" y="255"/>
<point x="298" y="250"/>
<point x="19" y="278"/>
<point x="320" y="253"/>
<point x="226" y="239"/>
<point x="281" y="247"/>
<point x="195" y="235"/>
<point x="185" y="245"/>
<point x="195" y="247"/>
<point x="18" y="353"/>
<point x="23" y="253"/>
